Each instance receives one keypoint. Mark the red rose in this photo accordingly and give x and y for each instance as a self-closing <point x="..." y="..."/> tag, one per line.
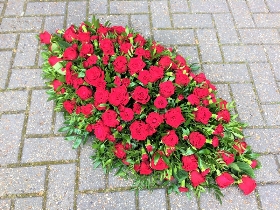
<point x="145" y="168"/>
<point x="228" y="158"/>
<point x="71" y="53"/>
<point x="189" y="163"/>
<point x="224" y="180"/>
<point x="144" y="77"/>
<point x="127" y="114"/>
<point x="140" y="40"/>
<point x="139" y="130"/>
<point x="197" y="139"/>
<point x="56" y="84"/>
<point x="224" y="115"/>
<point x="165" y="62"/>
<point x="156" y="73"/>
<point x="154" y="119"/>
<point x="45" y="37"/>
<point x="240" y="146"/>
<point x="182" y="78"/>
<point x="53" y="60"/>
<point x="69" y="106"/>
<point x="196" y="178"/>
<point x="201" y="92"/>
<point x="70" y="34"/>
<point x="109" y="118"/>
<point x="106" y="45"/>
<point x="160" y="102"/>
<point x="101" y="131"/>
<point x="84" y="37"/>
<point x="247" y="185"/>
<point x="174" y="117"/>
<point x="161" y="165"/>
<point x="137" y="108"/>
<point x="119" y="151"/>
<point x="219" y="130"/>
<point x="87" y="109"/>
<point x="183" y="189"/>
<point x="90" y="61"/>
<point x="254" y="164"/>
<point x="200" y="78"/>
<point x="84" y="92"/>
<point x="120" y="64"/>
<point x="135" y="65"/>
<point x="166" y="89"/>
<point x="171" y="139"/>
<point x="118" y="96"/>
<point x="125" y="47"/>
<point x="215" y="141"/>
<point x="180" y="60"/>
<point x="93" y="75"/>
<point x="202" y="115"/>
<point x="193" y="99"/>
<point x="141" y="95"/>
<point x="86" y="50"/>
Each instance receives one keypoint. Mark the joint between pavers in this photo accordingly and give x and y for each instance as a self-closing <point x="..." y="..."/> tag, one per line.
<point x="44" y="204"/>
<point x="189" y="5"/>
<point x="267" y="7"/>
<point x="87" y="10"/>
<point x="22" y="195"/>
<point x="13" y="202"/>
<point x="277" y="163"/>
<point x="246" y="1"/>
<point x="66" y="14"/>
<point x="257" y="196"/>
<point x="150" y="20"/>
<point x="3" y="11"/>
<point x="77" y="177"/>
<point x="167" y="200"/>
<point x="198" y="48"/>
<point x="170" y="13"/>
<point x="136" y="194"/>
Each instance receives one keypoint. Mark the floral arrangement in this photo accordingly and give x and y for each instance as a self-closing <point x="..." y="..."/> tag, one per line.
<point x="153" y="118"/>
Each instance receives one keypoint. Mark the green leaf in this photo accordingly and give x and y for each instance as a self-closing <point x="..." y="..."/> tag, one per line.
<point x="64" y="129"/>
<point x="77" y="143"/>
<point x="202" y="165"/>
<point x="204" y="152"/>
<point x="102" y="148"/>
<point x="234" y="166"/>
<point x="58" y="68"/>
<point x="181" y="175"/>
<point x="108" y="78"/>
<point x="96" y="164"/>
<point x="156" y="158"/>
<point x="70" y="138"/>
<point x="81" y="74"/>
<point x="246" y="168"/>
<point x="189" y="151"/>
<point x="63" y="44"/>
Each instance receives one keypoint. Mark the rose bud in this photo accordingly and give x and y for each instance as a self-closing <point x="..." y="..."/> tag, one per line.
<point x="254" y="164"/>
<point x="183" y="189"/>
<point x="247" y="185"/>
<point x="45" y="37"/>
<point x="224" y="180"/>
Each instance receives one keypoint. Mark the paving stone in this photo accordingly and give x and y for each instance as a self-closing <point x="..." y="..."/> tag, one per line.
<point x="27" y="50"/>
<point x="124" y="7"/>
<point x="45" y="8"/>
<point x="273" y="5"/>
<point x="34" y="203"/>
<point x="263" y="140"/>
<point x="141" y="24"/>
<point x="257" y="6"/>
<point x="14" y="7"/>
<point x="267" y="20"/>
<point x="233" y="199"/>
<point x="98" y="7"/>
<point x="209" y="6"/>
<point x="160" y="14"/>
<point x="19" y="99"/>
<point x="265" y="84"/>
<point x="246" y="104"/>
<point x="269" y="196"/>
<point x="47" y="149"/>
<point x="115" y="200"/>
<point x="258" y="36"/>
<point x="190" y="53"/>
<point x="172" y="37"/>
<point x="59" y="122"/>
<point x="192" y="21"/>
<point x="90" y="178"/>
<point x="269" y="170"/>
<point x="209" y="47"/>
<point x="10" y="133"/>
<point x="22" y="180"/>
<point x="5" y="204"/>
<point x="40" y="114"/>
<point x="76" y="12"/>
<point x="61" y="187"/>
<point x="21" y="24"/>
<point x="117" y="181"/>
<point x="114" y="19"/>
<point x="149" y="200"/>
<point x="226" y="72"/>
<point x="250" y="53"/>
<point x="182" y="202"/>
<point x="241" y="13"/>
<point x="273" y="52"/>
<point x="223" y="92"/>
<point x="272" y="114"/>
<point x="52" y="23"/>
<point x="226" y="29"/>
<point x="5" y="58"/>
<point x="179" y="6"/>
<point x="7" y="40"/>
<point x="1" y="7"/>
<point x="26" y="78"/>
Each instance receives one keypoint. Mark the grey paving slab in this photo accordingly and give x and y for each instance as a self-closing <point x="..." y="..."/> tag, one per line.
<point x="114" y="200"/>
<point x="7" y="40"/>
<point x="5" y="59"/>
<point x="117" y="181"/>
<point x="52" y="23"/>
<point x="265" y="84"/>
<point x="40" y="114"/>
<point x="192" y="21"/>
<point x="267" y="20"/>
<point x="21" y="24"/>
<point x="223" y="92"/>
<point x="257" y="6"/>
<point x="59" y="122"/>
<point x="182" y="202"/>
<point x="47" y="149"/>
<point x="269" y="170"/>
<point x="18" y="97"/>
<point x="233" y="199"/>
<point x="26" y="51"/>
<point x="258" y="36"/>
<point x="5" y="204"/>
<point x="141" y="24"/>
<point x="98" y="6"/>
<point x="10" y="137"/>
<point x="76" y="12"/>
<point x="61" y="187"/>
<point x="272" y="114"/>
<point x="263" y="140"/>
<point x="209" y="47"/>
<point x="226" y="72"/>
<point x="273" y="5"/>
<point x="269" y="196"/>
<point x="273" y="52"/>
<point x="34" y="203"/>
<point x="190" y="53"/>
<point x="124" y="7"/>
<point x="226" y="29"/>
<point x="45" y="8"/>
<point x="149" y="200"/>
<point x="179" y="6"/>
<point x="160" y="14"/>
<point x="246" y="104"/>
<point x="22" y="180"/>
<point x="114" y="19"/>
<point x="1" y="7"/>
<point x="26" y="78"/>
<point x="173" y="37"/>
<point x="14" y="7"/>
<point x="208" y="6"/>
<point x="250" y="53"/>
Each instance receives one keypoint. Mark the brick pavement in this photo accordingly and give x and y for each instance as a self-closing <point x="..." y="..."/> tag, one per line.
<point x="237" y="43"/>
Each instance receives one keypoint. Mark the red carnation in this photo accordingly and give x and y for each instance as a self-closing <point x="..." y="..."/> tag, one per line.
<point x="247" y="185"/>
<point x="224" y="115"/>
<point x="180" y="60"/>
<point x="182" y="78"/>
<point x="254" y="163"/>
<point x="84" y="92"/>
<point x="101" y="96"/>
<point x="174" y="117"/>
<point x="160" y="102"/>
<point x="101" y="131"/>
<point x="86" y="50"/>
<point x="109" y="118"/>
<point x="83" y="37"/>
<point x="127" y="114"/>
<point x="137" y="108"/>
<point x="106" y="45"/>
<point x="196" y="178"/>
<point x="215" y="141"/>
<point x="189" y="163"/>
<point x="86" y="109"/>
<point x="56" y="84"/>
<point x="219" y="130"/>
<point x="135" y="65"/>
<point x="197" y="139"/>
<point x="118" y="29"/>
<point x="240" y="146"/>
<point x="161" y="165"/>
<point x="201" y="92"/>
<point x="139" y="130"/>
<point x="125" y="47"/>
<point x="53" y="60"/>
<point x="93" y="75"/>
<point x="145" y="168"/>
<point x="144" y="77"/>
<point x="224" y="180"/>
<point x="120" y="64"/>
<point x="166" y="89"/>
<point x="193" y="99"/>
<point x="200" y="78"/>
<point x="149" y="148"/>
<point x="171" y="139"/>
<point x="165" y="62"/>
<point x="140" y="40"/>
<point x="228" y="158"/>
<point x="141" y="95"/>
<point x="70" y="34"/>
<point x="90" y="61"/>
<point x="154" y="119"/>
<point x="119" y="151"/>
<point x="202" y="115"/>
<point x="71" y="53"/>
<point x="156" y="73"/>
<point x="183" y="189"/>
<point x="69" y="106"/>
<point x="45" y="37"/>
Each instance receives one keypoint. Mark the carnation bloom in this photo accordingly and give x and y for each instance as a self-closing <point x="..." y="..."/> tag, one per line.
<point x="139" y="130"/>
<point x="196" y="178"/>
<point x="189" y="163"/>
<point x="174" y="117"/>
<point x="247" y="184"/>
<point x="224" y="180"/>
<point x="197" y="139"/>
<point x="166" y="89"/>
<point x="171" y="139"/>
<point x="202" y="115"/>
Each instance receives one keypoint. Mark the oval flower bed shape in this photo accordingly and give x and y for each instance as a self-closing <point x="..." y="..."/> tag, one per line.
<point x="153" y="118"/>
